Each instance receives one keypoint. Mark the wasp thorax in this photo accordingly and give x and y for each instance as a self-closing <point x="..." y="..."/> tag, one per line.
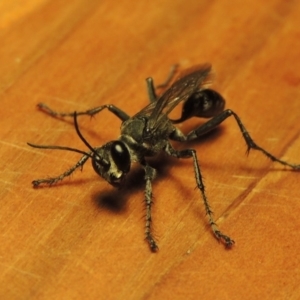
<point x="112" y="162"/>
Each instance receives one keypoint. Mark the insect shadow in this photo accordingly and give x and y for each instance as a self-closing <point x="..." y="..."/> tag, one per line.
<point x="149" y="133"/>
<point x="115" y="200"/>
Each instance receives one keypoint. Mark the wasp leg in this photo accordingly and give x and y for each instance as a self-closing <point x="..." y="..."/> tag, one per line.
<point x="151" y="90"/>
<point x="54" y="180"/>
<point x="214" y="122"/>
<point x="90" y="112"/>
<point x="149" y="176"/>
<point x="191" y="153"/>
<point x="150" y="84"/>
<point x="170" y="77"/>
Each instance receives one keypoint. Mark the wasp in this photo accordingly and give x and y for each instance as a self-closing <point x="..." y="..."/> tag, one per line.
<point x="150" y="131"/>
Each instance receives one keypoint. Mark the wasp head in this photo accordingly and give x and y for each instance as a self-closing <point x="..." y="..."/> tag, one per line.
<point x="112" y="162"/>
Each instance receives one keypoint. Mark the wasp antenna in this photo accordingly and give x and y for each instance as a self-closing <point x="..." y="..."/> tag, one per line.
<point x="52" y="147"/>
<point x="81" y="136"/>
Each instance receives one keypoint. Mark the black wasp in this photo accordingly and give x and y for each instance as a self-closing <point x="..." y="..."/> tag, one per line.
<point x="149" y="132"/>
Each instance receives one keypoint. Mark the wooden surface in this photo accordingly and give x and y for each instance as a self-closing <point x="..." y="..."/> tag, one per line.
<point x="67" y="241"/>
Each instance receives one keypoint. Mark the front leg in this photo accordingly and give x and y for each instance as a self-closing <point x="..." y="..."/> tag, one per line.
<point x="149" y="176"/>
<point x="53" y="180"/>
<point x="90" y="112"/>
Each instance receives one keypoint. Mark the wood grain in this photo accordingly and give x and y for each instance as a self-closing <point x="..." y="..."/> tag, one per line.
<point x="83" y="239"/>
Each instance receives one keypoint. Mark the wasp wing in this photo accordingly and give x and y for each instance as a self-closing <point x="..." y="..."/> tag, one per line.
<point x="180" y="90"/>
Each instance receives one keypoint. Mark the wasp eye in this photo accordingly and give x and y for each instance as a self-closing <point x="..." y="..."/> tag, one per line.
<point x="121" y="156"/>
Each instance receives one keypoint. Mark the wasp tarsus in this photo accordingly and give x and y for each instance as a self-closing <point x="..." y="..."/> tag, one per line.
<point x="149" y="132"/>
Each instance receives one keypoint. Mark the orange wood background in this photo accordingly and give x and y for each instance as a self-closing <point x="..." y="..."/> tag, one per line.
<point x="67" y="242"/>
